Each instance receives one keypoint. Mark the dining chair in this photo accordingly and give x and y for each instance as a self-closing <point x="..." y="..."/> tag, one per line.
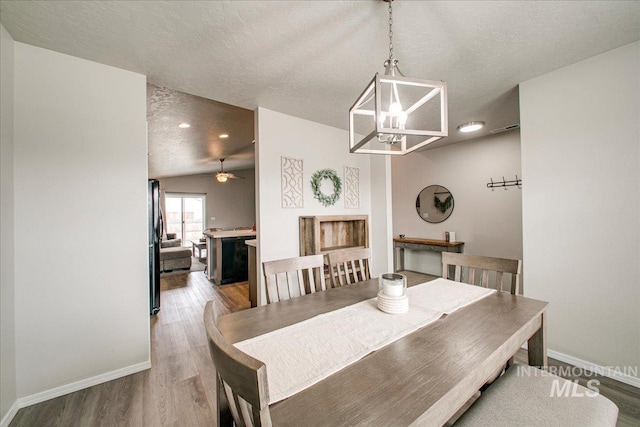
<point x="483" y="265"/>
<point x="293" y="277"/>
<point x="241" y="378"/>
<point x="349" y="266"/>
<point x="528" y="396"/>
<point x="486" y="267"/>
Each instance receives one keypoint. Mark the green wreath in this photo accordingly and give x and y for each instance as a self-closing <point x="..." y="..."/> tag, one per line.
<point x="442" y="206"/>
<point x="316" y="181"/>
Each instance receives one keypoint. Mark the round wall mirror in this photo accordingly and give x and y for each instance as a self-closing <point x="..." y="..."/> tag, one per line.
<point x="434" y="203"/>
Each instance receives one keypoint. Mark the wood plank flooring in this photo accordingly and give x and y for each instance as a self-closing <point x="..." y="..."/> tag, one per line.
<point x="179" y="389"/>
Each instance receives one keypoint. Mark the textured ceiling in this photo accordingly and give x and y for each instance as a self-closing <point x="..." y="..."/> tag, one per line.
<point x="174" y="151"/>
<point x="311" y="59"/>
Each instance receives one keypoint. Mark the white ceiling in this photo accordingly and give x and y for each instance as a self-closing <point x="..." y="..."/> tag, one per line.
<point x="174" y="151"/>
<point x="311" y="59"/>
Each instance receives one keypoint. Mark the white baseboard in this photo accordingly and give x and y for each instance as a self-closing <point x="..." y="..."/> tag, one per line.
<point x="614" y="374"/>
<point x="606" y="371"/>
<point x="10" y="414"/>
<point x="79" y="385"/>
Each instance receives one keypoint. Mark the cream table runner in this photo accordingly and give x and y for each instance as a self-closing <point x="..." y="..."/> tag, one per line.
<point x="303" y="354"/>
<point x="446" y="295"/>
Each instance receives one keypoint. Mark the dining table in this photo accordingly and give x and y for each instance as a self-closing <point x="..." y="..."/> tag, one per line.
<point x="421" y="379"/>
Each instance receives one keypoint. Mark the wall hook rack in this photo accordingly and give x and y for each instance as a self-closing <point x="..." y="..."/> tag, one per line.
<point x="517" y="182"/>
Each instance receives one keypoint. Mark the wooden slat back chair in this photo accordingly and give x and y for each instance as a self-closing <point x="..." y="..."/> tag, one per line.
<point x="294" y="277"/>
<point x="241" y="378"/>
<point x="483" y="265"/>
<point x="349" y="266"/>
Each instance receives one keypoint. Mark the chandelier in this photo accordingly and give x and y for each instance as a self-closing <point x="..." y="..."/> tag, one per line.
<point x="396" y="114"/>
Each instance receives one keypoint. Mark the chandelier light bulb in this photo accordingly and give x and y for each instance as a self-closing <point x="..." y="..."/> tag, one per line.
<point x="395" y="109"/>
<point x="402" y="119"/>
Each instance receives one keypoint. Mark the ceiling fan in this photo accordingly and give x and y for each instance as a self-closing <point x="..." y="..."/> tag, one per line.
<point x="223" y="176"/>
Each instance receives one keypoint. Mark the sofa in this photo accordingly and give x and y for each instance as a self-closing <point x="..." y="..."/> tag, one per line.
<point x="173" y="256"/>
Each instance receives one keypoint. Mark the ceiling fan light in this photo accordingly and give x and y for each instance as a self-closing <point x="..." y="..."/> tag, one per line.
<point x="222" y="177"/>
<point x="471" y="127"/>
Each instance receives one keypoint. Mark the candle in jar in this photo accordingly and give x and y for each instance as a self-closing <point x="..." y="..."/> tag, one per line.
<point x="392" y="288"/>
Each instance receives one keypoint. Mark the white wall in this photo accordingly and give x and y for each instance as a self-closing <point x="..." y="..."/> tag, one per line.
<point x="80" y="223"/>
<point x="320" y="147"/>
<point x="488" y="221"/>
<point x="581" y="205"/>
<point x="232" y="203"/>
<point x="7" y="272"/>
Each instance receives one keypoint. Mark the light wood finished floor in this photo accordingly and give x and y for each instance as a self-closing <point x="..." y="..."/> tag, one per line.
<point x="179" y="390"/>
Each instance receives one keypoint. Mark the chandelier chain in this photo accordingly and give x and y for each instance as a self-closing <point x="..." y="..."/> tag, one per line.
<point x="390" y="30"/>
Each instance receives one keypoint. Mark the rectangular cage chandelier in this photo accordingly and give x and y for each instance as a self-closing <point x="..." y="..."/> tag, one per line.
<point x="396" y="115"/>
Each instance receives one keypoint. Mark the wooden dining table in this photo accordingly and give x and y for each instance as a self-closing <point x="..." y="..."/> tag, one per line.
<point x="421" y="379"/>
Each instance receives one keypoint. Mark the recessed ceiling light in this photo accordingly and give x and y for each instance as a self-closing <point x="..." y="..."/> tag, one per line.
<point x="471" y="126"/>
<point x="184" y="125"/>
<point x="224" y="135"/>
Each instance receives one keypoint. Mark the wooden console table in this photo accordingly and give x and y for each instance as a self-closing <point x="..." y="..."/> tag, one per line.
<point x="414" y="244"/>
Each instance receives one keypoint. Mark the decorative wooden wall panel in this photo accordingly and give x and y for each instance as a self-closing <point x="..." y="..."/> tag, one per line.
<point x="292" y="179"/>
<point x="351" y="187"/>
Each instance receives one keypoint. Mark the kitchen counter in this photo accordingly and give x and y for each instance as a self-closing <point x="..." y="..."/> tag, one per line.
<point x="229" y="233"/>
<point x="227" y="255"/>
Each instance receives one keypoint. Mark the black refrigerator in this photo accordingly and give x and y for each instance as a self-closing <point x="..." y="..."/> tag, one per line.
<point x="156" y="230"/>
